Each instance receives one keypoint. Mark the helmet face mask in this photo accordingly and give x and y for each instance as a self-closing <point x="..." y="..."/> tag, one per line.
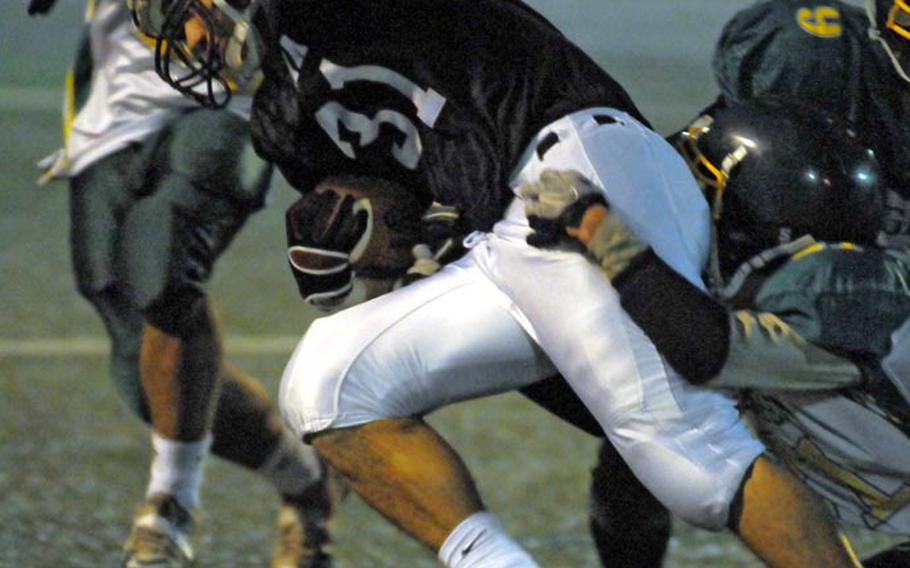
<point x="710" y="176"/>
<point x="773" y="172"/>
<point x="148" y="15"/>
<point x="889" y="24"/>
<point x="206" y="49"/>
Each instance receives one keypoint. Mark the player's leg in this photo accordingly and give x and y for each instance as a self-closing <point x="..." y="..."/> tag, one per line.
<point x="629" y="526"/>
<point x="179" y="360"/>
<point x="784" y="523"/>
<point x="687" y="445"/>
<point x="632" y="528"/>
<point x="360" y="381"/>
<point x="99" y="198"/>
<point x="846" y="446"/>
<point x="411" y="470"/>
<point x="247" y="431"/>
<point x="201" y="198"/>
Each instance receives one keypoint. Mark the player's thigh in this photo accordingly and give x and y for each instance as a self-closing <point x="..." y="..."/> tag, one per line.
<point x="100" y="196"/>
<point x="687" y="444"/>
<point x="168" y="247"/>
<point x="643" y="178"/>
<point x="213" y="151"/>
<point x="440" y="340"/>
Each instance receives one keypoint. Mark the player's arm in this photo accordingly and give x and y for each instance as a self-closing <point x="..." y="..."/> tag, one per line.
<point x="697" y="335"/>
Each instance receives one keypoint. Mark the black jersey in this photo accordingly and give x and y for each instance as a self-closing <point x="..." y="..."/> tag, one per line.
<point x="441" y="96"/>
<point x="819" y="52"/>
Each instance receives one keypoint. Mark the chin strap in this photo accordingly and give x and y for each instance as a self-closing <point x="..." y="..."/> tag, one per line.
<point x="729" y="289"/>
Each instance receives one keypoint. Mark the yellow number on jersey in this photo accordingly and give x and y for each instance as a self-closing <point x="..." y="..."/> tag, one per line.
<point x="822" y="21"/>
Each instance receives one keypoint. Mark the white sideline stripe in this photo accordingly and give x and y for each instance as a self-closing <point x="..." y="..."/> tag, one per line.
<point x="89" y="346"/>
<point x="20" y="99"/>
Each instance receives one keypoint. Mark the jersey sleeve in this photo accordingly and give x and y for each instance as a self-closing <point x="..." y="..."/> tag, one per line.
<point x="824" y="320"/>
<point x="765" y="353"/>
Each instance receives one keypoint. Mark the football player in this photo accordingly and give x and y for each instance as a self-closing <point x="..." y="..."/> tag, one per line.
<point x="833" y="54"/>
<point x="153" y="205"/>
<point x="461" y="102"/>
<point x="775" y="175"/>
<point x="851" y="63"/>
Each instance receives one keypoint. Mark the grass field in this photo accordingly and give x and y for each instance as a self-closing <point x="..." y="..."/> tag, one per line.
<point x="73" y="462"/>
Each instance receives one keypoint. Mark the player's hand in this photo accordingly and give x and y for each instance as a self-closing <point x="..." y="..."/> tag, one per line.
<point x="323" y="228"/>
<point x="441" y="234"/>
<point x="353" y="226"/>
<point x="563" y="205"/>
<point x="36" y="7"/>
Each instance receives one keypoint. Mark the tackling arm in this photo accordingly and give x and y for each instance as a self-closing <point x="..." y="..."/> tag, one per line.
<point x="695" y="333"/>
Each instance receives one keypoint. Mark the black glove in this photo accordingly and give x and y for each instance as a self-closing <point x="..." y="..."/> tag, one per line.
<point x="441" y="234"/>
<point x="36" y="7"/>
<point x="323" y="228"/>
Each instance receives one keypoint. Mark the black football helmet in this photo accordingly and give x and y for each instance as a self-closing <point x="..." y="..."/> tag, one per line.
<point x="774" y="171"/>
<point x="889" y="24"/>
<point x="222" y="58"/>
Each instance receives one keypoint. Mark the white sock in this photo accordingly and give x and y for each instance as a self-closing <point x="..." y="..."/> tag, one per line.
<point x="177" y="469"/>
<point x="292" y="466"/>
<point x="480" y="542"/>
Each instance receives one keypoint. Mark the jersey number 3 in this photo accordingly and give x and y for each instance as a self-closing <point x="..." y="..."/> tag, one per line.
<point x="427" y="102"/>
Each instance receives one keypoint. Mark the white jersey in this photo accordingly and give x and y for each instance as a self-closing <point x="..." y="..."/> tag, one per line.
<point x="128" y="101"/>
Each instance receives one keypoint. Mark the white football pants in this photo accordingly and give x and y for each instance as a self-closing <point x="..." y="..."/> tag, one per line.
<point x="508" y="314"/>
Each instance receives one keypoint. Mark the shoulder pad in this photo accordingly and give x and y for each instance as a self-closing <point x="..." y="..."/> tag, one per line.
<point x="841" y="296"/>
<point x="761" y="49"/>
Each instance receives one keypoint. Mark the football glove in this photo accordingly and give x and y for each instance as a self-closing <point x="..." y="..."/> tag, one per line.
<point x="565" y="207"/>
<point x="349" y="226"/>
<point x="440" y="243"/>
<point x="561" y="207"/>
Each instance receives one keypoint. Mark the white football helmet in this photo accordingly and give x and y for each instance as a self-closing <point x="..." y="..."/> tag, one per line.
<point x="222" y="57"/>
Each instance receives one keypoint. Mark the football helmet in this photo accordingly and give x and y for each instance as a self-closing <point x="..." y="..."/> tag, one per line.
<point x="206" y="49"/>
<point x="773" y="172"/>
<point x="889" y="24"/>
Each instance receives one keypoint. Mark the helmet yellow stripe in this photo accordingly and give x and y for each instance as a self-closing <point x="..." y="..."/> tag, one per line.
<point x="699" y="164"/>
<point x="891" y="23"/>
